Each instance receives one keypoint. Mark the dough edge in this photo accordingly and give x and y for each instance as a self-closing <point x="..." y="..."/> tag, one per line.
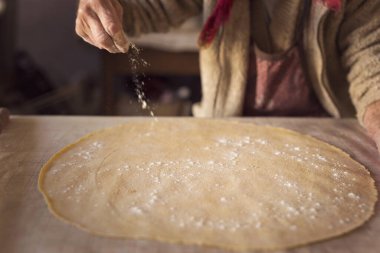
<point x="190" y="243"/>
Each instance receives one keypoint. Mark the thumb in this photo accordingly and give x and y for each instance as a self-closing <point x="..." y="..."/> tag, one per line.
<point x="121" y="41"/>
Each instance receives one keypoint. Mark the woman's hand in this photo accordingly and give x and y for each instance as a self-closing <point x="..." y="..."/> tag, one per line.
<point x="100" y="23"/>
<point x="372" y="122"/>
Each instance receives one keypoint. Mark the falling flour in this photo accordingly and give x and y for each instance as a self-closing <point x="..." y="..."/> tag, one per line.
<point x="138" y="76"/>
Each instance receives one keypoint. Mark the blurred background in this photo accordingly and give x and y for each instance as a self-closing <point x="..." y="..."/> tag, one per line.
<point x="46" y="69"/>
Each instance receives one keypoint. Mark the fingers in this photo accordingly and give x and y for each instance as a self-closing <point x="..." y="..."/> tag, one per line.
<point x="98" y="34"/>
<point x="99" y="22"/>
<point x="111" y="18"/>
<point x="80" y="29"/>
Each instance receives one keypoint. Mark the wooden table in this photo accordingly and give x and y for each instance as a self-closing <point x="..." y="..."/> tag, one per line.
<point x="27" y="226"/>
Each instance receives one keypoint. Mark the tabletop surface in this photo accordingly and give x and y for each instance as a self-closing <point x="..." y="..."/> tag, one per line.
<point x="26" y="225"/>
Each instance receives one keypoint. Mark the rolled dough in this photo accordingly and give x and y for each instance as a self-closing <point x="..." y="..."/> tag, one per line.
<point x="218" y="183"/>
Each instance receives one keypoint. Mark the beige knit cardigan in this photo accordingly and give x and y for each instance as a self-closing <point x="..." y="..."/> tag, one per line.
<point x="342" y="52"/>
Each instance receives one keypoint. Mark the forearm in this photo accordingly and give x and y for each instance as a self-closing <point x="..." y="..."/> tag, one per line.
<point x="149" y="16"/>
<point x="359" y="44"/>
<point x="103" y="23"/>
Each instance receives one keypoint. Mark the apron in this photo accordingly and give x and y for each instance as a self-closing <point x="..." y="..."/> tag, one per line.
<point x="278" y="84"/>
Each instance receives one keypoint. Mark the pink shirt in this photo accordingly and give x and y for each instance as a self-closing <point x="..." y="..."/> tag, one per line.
<point x="278" y="84"/>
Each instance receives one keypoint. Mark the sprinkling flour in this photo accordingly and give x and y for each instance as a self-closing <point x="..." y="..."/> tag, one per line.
<point x="138" y="65"/>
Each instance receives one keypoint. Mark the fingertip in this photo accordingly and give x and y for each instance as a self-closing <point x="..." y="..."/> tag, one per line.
<point x="123" y="48"/>
<point x="122" y="42"/>
<point x="113" y="50"/>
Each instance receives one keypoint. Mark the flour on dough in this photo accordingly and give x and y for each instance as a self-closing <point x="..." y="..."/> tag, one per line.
<point x="218" y="183"/>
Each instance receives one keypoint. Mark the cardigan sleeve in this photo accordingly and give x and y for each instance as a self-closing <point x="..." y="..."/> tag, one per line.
<point x="359" y="42"/>
<point x="147" y="16"/>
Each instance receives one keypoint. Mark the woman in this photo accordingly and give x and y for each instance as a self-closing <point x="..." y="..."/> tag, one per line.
<point x="264" y="57"/>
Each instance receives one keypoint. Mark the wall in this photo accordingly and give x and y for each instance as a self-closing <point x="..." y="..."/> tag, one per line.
<point x="46" y="29"/>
